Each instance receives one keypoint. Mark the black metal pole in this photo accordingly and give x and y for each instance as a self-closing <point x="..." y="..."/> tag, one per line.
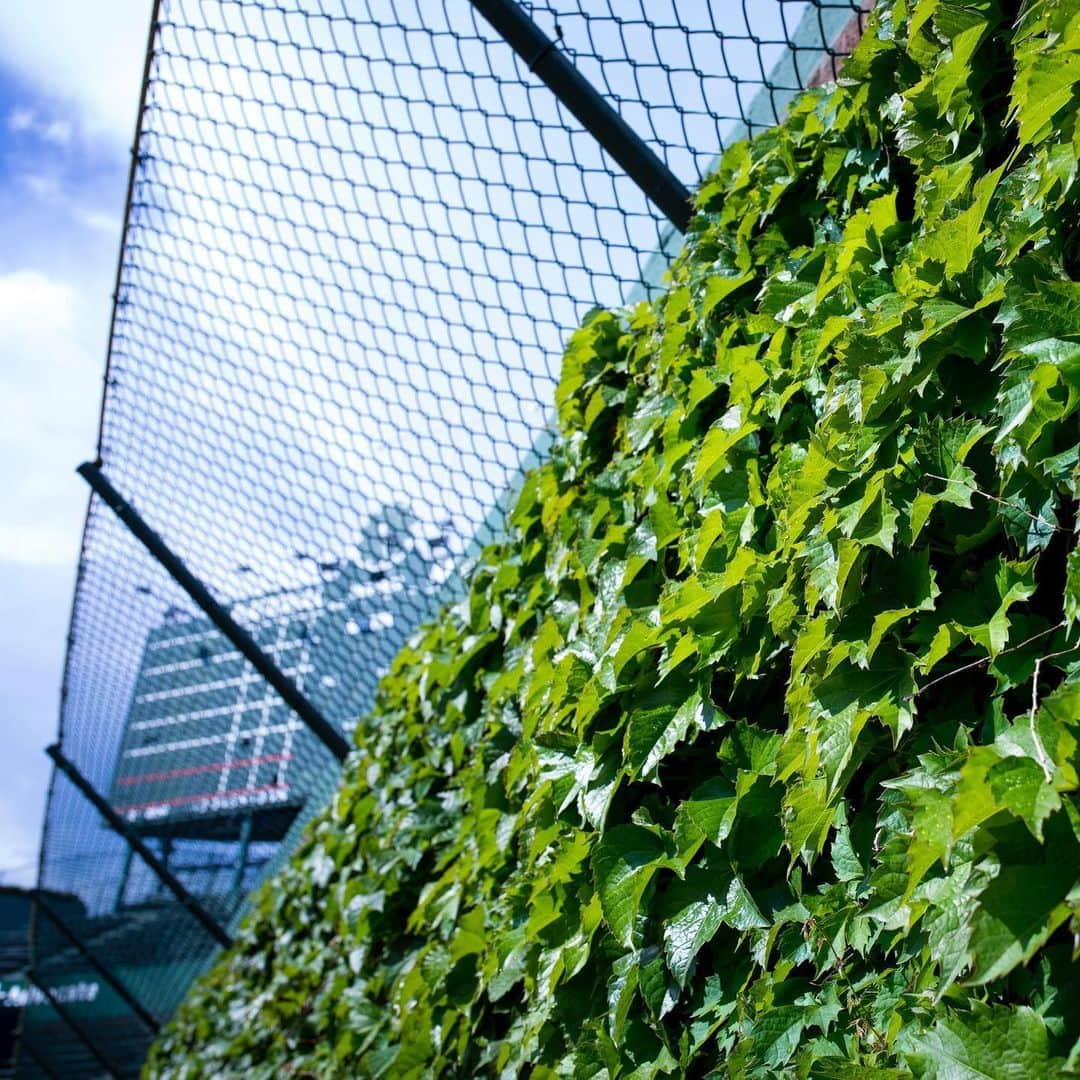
<point x="241" y="858"/>
<point x="609" y="129"/>
<point x="241" y="639"/>
<point x="117" y="823"/>
<point x="121" y="990"/>
<point x="125" y="873"/>
<point x="72" y="1023"/>
<point x="133" y="169"/>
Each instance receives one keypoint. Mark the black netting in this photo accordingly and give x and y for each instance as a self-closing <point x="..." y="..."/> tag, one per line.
<point x="359" y="235"/>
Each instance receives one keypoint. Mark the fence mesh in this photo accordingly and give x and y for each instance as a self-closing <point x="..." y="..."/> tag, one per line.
<point x="358" y="236"/>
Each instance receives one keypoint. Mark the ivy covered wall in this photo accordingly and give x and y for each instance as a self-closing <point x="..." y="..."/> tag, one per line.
<point x="753" y="749"/>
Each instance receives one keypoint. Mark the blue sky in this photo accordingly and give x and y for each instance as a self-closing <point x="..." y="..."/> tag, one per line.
<point x="69" y="82"/>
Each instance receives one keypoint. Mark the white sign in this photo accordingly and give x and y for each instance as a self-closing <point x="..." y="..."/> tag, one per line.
<point x="19" y="995"/>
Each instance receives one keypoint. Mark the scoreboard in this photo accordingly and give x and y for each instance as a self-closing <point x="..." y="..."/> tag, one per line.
<point x="207" y="742"/>
<point x="205" y="736"/>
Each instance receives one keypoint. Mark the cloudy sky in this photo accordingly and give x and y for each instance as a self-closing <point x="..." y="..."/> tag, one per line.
<point x="69" y="82"/>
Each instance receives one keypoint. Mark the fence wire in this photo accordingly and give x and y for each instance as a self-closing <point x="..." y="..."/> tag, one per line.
<point x="358" y="236"/>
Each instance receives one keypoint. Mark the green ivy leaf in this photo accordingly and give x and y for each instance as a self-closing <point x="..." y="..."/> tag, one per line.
<point x="623" y="864"/>
<point x="698" y="905"/>
<point x="655" y="730"/>
<point x="1017" y="912"/>
<point x="1007" y="1043"/>
<point x="809" y="815"/>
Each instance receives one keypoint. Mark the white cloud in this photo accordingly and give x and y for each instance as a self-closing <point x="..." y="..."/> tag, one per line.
<point x="21" y="119"/>
<point x="49" y="189"/>
<point x="37" y="545"/>
<point x="32" y="304"/>
<point x="89" y="55"/>
<point x="99" y="221"/>
<point x="35" y="604"/>
<point x="57" y="131"/>
<point x="24" y="120"/>
<point x="49" y="381"/>
<point x="43" y="185"/>
<point x="19" y="842"/>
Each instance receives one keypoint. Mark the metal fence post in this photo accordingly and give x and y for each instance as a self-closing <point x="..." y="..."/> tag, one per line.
<point x="118" y="824"/>
<point x="241" y="858"/>
<point x="334" y="741"/>
<point x="72" y="1023"/>
<point x="114" y="981"/>
<point x="125" y="873"/>
<point x="610" y="130"/>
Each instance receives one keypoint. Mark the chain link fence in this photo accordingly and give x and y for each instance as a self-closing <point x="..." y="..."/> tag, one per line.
<point x="358" y="235"/>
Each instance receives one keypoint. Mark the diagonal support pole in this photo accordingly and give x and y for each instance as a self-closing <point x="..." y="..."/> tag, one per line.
<point x="72" y="1023"/>
<point x="240" y="638"/>
<point x="119" y="825"/>
<point x="114" y="981"/>
<point x="610" y="130"/>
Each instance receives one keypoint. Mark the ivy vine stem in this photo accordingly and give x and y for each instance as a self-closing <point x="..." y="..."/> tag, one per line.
<point x="1040" y="750"/>
<point x="1002" y="502"/>
<point x="987" y="659"/>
